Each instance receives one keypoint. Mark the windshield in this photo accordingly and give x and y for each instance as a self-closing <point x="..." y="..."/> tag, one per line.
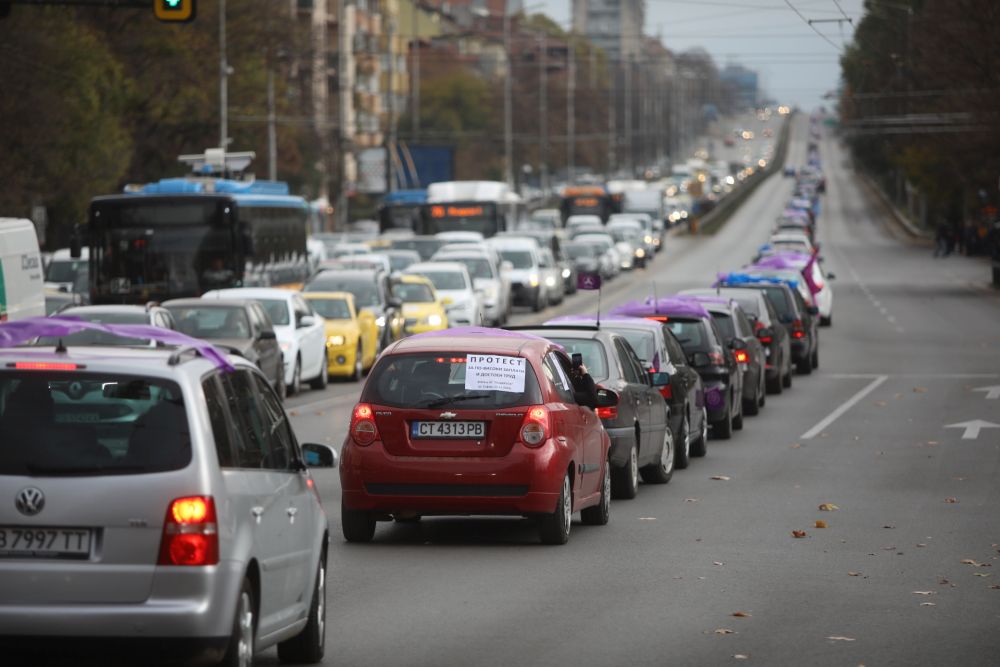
<point x="413" y="293"/>
<point x="65" y="271"/>
<point x="277" y="310"/>
<point x="580" y="250"/>
<point x="519" y="259"/>
<point x="471" y="217"/>
<point x="425" y="247"/>
<point x="332" y="309"/>
<point x="643" y="342"/>
<point x="626" y="235"/>
<point x="90" y="337"/>
<point x="592" y="352"/>
<point x="365" y="291"/>
<point x="211" y="321"/>
<point x="446" y="280"/>
<point x="399" y="262"/>
<point x="90" y="424"/>
<point x="690" y="334"/>
<point x="430" y="380"/>
<point x="478" y="267"/>
<point x="725" y="324"/>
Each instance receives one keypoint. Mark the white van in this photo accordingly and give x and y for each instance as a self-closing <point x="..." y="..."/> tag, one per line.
<point x="66" y="273"/>
<point x="21" y="285"/>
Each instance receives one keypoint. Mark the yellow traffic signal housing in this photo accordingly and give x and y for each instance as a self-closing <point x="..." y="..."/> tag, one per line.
<point x="174" y="11"/>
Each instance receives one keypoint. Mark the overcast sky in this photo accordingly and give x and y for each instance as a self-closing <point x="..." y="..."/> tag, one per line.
<point x="796" y="65"/>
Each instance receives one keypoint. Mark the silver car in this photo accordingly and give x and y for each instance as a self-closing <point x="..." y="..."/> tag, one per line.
<point x="156" y="494"/>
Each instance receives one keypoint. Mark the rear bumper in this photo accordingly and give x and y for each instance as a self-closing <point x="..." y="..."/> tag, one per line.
<point x="717" y="400"/>
<point x="76" y="650"/>
<point x="525" y="481"/>
<point x="524" y="295"/>
<point x="340" y="359"/>
<point x="800" y="348"/>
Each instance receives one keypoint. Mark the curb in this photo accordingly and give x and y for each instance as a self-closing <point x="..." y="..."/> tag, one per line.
<point x="901" y="220"/>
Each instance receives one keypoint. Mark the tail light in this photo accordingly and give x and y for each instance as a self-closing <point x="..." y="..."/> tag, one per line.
<point x="666" y="391"/>
<point x="716" y="359"/>
<point x="190" y="533"/>
<point x="363" y="429"/>
<point x="797" y="330"/>
<point x="766" y="340"/>
<point x="535" y="427"/>
<point x="742" y="356"/>
<point x="657" y="318"/>
<point x="757" y="326"/>
<point x="608" y="413"/>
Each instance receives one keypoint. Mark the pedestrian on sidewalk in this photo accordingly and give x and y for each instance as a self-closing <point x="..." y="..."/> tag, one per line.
<point x="941" y="239"/>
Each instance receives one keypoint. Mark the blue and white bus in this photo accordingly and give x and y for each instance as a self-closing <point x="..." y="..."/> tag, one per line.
<point x="181" y="237"/>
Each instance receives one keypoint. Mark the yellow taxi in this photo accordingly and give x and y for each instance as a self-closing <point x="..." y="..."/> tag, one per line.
<point x="422" y="309"/>
<point x="351" y="335"/>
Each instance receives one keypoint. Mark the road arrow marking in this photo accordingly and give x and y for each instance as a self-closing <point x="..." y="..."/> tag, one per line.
<point x="973" y="427"/>
<point x="992" y="393"/>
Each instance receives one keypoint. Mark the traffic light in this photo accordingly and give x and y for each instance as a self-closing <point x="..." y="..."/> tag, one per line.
<point x="174" y="11"/>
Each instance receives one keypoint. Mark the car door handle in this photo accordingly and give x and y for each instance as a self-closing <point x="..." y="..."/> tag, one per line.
<point x="257" y="512"/>
<point x="292" y="511"/>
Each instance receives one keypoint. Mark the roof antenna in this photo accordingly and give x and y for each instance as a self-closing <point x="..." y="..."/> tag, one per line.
<point x="599" y="303"/>
<point x="60" y="348"/>
<point x="656" y="302"/>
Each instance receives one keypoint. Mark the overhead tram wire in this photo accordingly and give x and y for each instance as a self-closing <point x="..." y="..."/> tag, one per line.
<point x="802" y="16"/>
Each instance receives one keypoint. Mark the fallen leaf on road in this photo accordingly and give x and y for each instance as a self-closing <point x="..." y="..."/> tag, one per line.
<point x="892" y="548"/>
<point x="969" y="561"/>
<point x="933" y="442"/>
<point x="881" y="404"/>
<point x="980" y="574"/>
<point x="924" y="593"/>
<point x="828" y="507"/>
<point x="928" y="604"/>
<point x="741" y="614"/>
<point x="995" y="586"/>
<point x="724" y="631"/>
<point x="853" y="574"/>
<point x="690" y="500"/>
<point x="921" y="544"/>
<point x="841" y="639"/>
<point x="319" y="413"/>
<point x="888" y="526"/>
<point x="951" y="500"/>
<point x="796" y="445"/>
<point x="919" y="390"/>
<point x="717" y="562"/>
<point x="798" y="533"/>
<point x="647" y="518"/>
<point x="293" y="413"/>
<point x="740" y="656"/>
<point x="721" y="478"/>
<point x="820" y="523"/>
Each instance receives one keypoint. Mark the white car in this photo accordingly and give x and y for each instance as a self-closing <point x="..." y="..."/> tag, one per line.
<point x="459" y="236"/>
<point x="485" y="279"/>
<point x="607" y="245"/>
<point x="301" y="332"/>
<point x="455" y="287"/>
<point x="65" y="273"/>
<point x="575" y="222"/>
<point x="647" y="234"/>
<point x="524" y="258"/>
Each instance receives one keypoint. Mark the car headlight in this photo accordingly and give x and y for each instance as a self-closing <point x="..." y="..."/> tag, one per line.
<point x="533" y="280"/>
<point x="335" y="340"/>
<point x="566" y="273"/>
<point x="648" y="238"/>
<point x="640" y="253"/>
<point x="550" y="281"/>
<point x="434" y="320"/>
<point x="380" y="321"/>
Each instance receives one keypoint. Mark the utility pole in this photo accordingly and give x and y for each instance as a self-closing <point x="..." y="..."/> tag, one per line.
<point x="223" y="80"/>
<point x="272" y="133"/>
<point x="390" y="144"/>
<point x="345" y="75"/>
<point x="415" y="83"/>
<point x="543" y="114"/>
<point x="508" y="120"/>
<point x="612" y="112"/>
<point x="629" y="158"/>
<point x="571" y="112"/>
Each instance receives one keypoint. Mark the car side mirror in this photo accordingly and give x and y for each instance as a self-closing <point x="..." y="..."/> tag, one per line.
<point x="267" y="334"/>
<point x="659" y="378"/>
<point x="813" y="310"/>
<point x="737" y="344"/>
<point x="306" y="321"/>
<point x="606" y="398"/>
<point x="319" y="456"/>
<point x="699" y="359"/>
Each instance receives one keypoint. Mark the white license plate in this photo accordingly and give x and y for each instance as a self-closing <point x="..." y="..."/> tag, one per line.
<point x="466" y="430"/>
<point x="27" y="542"/>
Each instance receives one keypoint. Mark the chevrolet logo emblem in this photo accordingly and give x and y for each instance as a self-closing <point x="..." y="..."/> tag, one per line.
<point x="448" y="415"/>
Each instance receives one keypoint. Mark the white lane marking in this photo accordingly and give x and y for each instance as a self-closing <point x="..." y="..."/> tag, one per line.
<point x="847" y="405"/>
<point x="972" y="428"/>
<point x="992" y="393"/>
<point x="940" y="376"/>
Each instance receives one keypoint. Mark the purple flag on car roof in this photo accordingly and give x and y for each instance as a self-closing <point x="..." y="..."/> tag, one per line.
<point x="671" y="305"/>
<point x="588" y="281"/>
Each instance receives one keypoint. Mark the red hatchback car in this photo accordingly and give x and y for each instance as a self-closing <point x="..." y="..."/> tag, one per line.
<point x="475" y="421"/>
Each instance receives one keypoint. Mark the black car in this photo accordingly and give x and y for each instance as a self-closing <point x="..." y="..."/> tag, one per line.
<point x="764" y="319"/>
<point x="240" y="325"/>
<point x="585" y="257"/>
<point x="735" y="326"/>
<point x="372" y="292"/>
<point x="641" y="440"/>
<point x="803" y="324"/>
<point x="680" y="385"/>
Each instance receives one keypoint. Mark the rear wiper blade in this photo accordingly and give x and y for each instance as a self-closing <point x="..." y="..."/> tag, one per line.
<point x="35" y="469"/>
<point x="455" y="399"/>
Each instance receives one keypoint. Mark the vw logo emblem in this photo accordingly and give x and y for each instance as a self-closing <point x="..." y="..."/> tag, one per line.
<point x="30" y="501"/>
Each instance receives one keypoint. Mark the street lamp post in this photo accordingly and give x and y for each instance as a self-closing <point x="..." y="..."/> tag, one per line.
<point x="508" y="121"/>
<point x="223" y="80"/>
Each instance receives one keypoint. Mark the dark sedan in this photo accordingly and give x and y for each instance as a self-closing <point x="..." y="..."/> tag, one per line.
<point x="641" y="440"/>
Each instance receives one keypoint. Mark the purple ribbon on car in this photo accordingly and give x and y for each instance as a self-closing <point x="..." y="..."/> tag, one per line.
<point x="24" y="331"/>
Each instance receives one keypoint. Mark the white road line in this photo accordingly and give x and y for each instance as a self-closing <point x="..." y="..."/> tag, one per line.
<point x="937" y="376"/>
<point x="847" y="405"/>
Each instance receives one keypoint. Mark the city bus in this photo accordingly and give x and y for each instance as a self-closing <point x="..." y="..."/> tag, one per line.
<point x="400" y="209"/>
<point x="180" y="237"/>
<point x="587" y="200"/>
<point x="487" y="207"/>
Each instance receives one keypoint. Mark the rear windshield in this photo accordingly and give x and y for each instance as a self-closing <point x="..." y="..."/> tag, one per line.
<point x="592" y="352"/>
<point x="725" y="324"/>
<point x="90" y="424"/>
<point x="332" y="309"/>
<point x="436" y="380"/>
<point x="66" y="271"/>
<point x="779" y="298"/>
<point x="413" y="293"/>
<point x="519" y="259"/>
<point x="446" y="280"/>
<point x="748" y="302"/>
<point x="365" y="290"/>
<point x="277" y="310"/>
<point x="642" y="342"/>
<point x="91" y="337"/>
<point x="693" y="335"/>
<point x="211" y="322"/>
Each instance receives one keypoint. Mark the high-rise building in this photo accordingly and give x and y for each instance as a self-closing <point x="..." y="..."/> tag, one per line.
<point x="744" y="83"/>
<point x="612" y="25"/>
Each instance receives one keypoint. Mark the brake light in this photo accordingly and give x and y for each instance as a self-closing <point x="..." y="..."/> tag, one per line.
<point x="363" y="429"/>
<point x="797" y="331"/>
<point x="766" y="340"/>
<point x="666" y="391"/>
<point x="658" y="318"/>
<point x="535" y="427"/>
<point x="190" y="533"/>
<point x="716" y="359"/>
<point x="44" y="366"/>
<point x="450" y="360"/>
<point x="608" y="413"/>
<point x="742" y="356"/>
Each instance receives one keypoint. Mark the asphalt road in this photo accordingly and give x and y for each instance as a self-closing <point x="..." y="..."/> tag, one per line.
<point x="914" y="341"/>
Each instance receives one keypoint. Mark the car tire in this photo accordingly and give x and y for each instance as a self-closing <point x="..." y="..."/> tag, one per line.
<point x="599" y="514"/>
<point x="738" y="419"/>
<point x="751" y="406"/>
<point x="308" y="646"/>
<point x="826" y="321"/>
<point x="682" y="456"/>
<point x="815" y="359"/>
<point x="723" y="429"/>
<point x="786" y="379"/>
<point x="699" y="447"/>
<point x="762" y="390"/>
<point x="554" y="528"/>
<point x="804" y="366"/>
<point x="359" y="366"/>
<point x="539" y="303"/>
<point x="661" y="471"/>
<point x="775" y="385"/>
<point x="296" y="386"/>
<point x="320" y="381"/>
<point x="357" y="525"/>
<point x="239" y="653"/>
<point x="625" y="480"/>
